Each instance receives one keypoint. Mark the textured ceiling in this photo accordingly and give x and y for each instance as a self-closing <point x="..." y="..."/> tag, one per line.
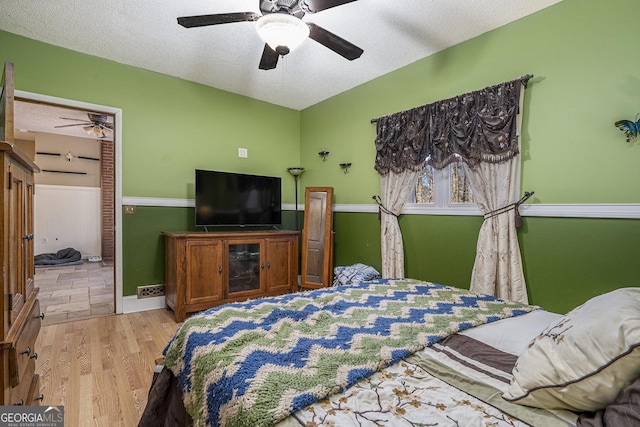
<point x="144" y="33"/>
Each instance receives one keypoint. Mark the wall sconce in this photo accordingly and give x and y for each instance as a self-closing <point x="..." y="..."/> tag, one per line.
<point x="324" y="153"/>
<point x="629" y="127"/>
<point x="345" y="167"/>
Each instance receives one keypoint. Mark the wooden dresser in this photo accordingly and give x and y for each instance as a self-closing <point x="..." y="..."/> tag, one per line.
<point x="203" y="270"/>
<point x="21" y="317"/>
<point x="20" y="306"/>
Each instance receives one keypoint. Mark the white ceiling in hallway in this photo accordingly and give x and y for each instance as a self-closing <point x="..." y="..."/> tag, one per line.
<point x="31" y="118"/>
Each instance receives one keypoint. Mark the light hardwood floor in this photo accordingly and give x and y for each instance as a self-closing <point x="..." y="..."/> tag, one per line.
<point x="100" y="369"/>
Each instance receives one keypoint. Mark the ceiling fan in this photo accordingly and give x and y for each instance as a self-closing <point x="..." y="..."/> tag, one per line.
<point x="98" y="125"/>
<point x="282" y="28"/>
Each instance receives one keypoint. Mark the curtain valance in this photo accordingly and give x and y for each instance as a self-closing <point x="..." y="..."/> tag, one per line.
<point x="479" y="126"/>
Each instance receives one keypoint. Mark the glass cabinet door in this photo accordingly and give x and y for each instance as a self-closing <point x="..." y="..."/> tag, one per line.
<point x="244" y="267"/>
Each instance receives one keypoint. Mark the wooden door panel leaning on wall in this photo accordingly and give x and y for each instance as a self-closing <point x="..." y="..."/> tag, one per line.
<point x="317" y="238"/>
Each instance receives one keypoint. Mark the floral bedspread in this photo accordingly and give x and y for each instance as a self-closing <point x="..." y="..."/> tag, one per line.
<point x="453" y="383"/>
<point x="400" y="396"/>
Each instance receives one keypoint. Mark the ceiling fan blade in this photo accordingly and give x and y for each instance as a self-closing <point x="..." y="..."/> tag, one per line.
<point x="66" y="126"/>
<point x="333" y="42"/>
<point x="269" y="58"/>
<point x="69" y="118"/>
<point x="220" y="18"/>
<point x="313" y="6"/>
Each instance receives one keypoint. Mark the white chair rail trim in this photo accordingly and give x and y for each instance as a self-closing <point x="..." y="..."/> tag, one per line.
<point x="615" y="210"/>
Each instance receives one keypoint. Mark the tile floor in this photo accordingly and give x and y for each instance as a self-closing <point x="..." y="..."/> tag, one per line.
<point x="75" y="292"/>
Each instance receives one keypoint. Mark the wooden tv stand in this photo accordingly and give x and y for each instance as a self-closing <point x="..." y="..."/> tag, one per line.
<point x="203" y="270"/>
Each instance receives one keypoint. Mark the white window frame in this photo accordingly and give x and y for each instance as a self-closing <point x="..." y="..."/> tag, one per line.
<point x="442" y="199"/>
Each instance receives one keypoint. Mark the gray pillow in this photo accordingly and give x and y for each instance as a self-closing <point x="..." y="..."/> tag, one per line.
<point x="353" y="274"/>
<point x="624" y="411"/>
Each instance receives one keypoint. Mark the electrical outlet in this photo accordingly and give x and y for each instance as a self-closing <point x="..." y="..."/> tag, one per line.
<point x="243" y="152"/>
<point x="129" y="209"/>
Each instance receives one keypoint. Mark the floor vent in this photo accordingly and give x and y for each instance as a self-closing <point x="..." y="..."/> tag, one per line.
<point x="150" y="291"/>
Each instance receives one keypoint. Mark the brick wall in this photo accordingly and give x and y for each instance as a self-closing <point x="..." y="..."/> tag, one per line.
<point x="108" y="201"/>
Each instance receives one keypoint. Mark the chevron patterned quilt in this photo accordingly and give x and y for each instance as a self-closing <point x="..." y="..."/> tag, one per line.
<point x="254" y="363"/>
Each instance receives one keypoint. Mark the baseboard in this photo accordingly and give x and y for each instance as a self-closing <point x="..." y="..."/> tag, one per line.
<point x="132" y="304"/>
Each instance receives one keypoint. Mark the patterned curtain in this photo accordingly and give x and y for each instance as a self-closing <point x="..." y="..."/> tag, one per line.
<point x="395" y="189"/>
<point x="498" y="266"/>
<point x="478" y="129"/>
<point x="479" y="126"/>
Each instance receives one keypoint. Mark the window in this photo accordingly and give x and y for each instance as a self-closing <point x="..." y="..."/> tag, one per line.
<point x="424" y="192"/>
<point x="460" y="187"/>
<point x="446" y="191"/>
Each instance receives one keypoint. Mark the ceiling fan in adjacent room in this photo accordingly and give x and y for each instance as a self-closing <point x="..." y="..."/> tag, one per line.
<point x="282" y="28"/>
<point x="97" y="126"/>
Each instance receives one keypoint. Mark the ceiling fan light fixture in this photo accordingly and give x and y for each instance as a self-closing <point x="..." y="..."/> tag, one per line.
<point x="282" y="32"/>
<point x="97" y="131"/>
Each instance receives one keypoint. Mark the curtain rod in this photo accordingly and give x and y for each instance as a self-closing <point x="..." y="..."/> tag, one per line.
<point x="524" y="79"/>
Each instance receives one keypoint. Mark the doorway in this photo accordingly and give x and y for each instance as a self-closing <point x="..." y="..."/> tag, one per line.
<point x="93" y="286"/>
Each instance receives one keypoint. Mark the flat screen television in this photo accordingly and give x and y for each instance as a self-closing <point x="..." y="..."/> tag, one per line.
<point x="234" y="199"/>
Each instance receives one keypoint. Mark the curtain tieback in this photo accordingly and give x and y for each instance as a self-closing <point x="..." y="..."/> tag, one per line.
<point x="509" y="207"/>
<point x="382" y="208"/>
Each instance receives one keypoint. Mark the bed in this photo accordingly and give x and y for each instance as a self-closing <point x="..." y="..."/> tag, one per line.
<point x="401" y="352"/>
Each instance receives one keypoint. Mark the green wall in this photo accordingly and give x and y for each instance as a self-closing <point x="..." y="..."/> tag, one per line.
<point x="581" y="53"/>
<point x="585" y="78"/>
<point x="170" y="127"/>
<point x="569" y="260"/>
<point x="566" y="260"/>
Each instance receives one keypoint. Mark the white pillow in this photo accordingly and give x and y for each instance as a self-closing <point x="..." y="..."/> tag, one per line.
<point x="583" y="360"/>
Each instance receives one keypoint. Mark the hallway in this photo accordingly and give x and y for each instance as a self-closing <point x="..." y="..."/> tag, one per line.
<point x="75" y="292"/>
